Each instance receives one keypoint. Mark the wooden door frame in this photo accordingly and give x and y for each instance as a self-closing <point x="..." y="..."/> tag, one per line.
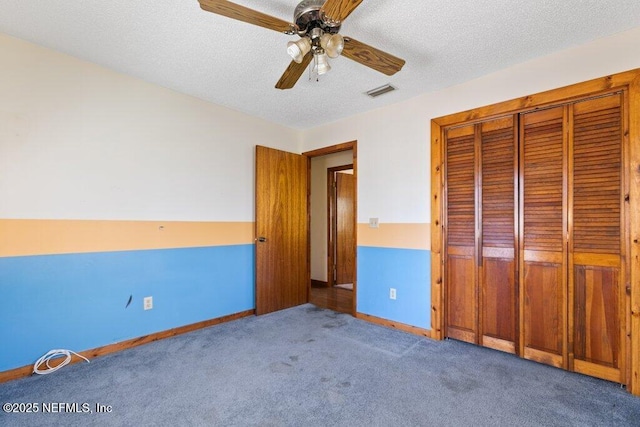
<point x="628" y="81"/>
<point x="345" y="146"/>
<point x="332" y="202"/>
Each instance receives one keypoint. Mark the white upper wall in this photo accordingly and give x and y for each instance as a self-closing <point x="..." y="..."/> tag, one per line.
<point x="78" y="141"/>
<point x="394" y="141"/>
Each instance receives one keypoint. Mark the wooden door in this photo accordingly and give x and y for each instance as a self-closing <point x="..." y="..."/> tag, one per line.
<point x="461" y="281"/>
<point x="345" y="233"/>
<point x="596" y="272"/>
<point x="282" y="230"/>
<point x="534" y="231"/>
<point x="499" y="213"/>
<point x="543" y="254"/>
<point x="577" y="249"/>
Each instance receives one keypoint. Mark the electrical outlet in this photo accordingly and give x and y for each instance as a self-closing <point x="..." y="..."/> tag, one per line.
<point x="148" y="303"/>
<point x="392" y="293"/>
<point x="373" y="222"/>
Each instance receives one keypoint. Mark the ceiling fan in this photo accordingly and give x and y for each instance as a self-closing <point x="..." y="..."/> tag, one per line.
<point x="317" y="22"/>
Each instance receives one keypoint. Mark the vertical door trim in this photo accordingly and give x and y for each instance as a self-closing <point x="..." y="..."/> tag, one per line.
<point x="634" y="236"/>
<point x="437" y="233"/>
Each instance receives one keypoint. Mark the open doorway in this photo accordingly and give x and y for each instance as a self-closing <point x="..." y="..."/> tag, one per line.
<point x="332" y="206"/>
<point x="341" y="217"/>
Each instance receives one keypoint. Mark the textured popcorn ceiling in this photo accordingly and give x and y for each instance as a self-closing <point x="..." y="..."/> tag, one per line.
<point x="173" y="43"/>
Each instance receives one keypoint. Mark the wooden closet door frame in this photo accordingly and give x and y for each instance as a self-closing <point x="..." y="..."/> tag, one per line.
<point x="628" y="81"/>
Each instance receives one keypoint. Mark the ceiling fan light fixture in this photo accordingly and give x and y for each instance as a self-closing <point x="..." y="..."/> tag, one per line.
<point x="298" y="50"/>
<point x="333" y="44"/>
<point x="321" y="64"/>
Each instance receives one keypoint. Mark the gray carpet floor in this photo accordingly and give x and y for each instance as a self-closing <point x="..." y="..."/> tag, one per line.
<point x="314" y="367"/>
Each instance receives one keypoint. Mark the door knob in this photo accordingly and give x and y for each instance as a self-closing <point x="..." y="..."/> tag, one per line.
<point x="261" y="239"/>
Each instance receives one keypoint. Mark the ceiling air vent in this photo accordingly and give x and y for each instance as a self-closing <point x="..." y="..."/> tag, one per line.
<point x="373" y="93"/>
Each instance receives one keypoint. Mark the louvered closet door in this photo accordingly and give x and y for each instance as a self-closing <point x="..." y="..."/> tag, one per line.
<point x="461" y="297"/>
<point x="595" y="266"/>
<point x="543" y="224"/>
<point x="498" y="212"/>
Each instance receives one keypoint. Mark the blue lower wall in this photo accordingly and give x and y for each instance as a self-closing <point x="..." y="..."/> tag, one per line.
<point x="78" y="301"/>
<point x="406" y="270"/>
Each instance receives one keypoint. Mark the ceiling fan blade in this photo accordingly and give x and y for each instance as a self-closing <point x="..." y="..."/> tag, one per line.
<point x="244" y="14"/>
<point x="293" y="73"/>
<point x="338" y="10"/>
<point x="372" y="57"/>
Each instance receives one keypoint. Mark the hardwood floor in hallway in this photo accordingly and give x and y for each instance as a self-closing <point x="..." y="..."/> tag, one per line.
<point x="337" y="299"/>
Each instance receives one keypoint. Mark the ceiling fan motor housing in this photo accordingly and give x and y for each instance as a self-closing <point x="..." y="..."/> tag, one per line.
<point x="307" y="16"/>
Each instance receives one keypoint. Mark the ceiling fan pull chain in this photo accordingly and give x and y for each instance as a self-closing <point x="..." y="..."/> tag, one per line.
<point x="312" y="67"/>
